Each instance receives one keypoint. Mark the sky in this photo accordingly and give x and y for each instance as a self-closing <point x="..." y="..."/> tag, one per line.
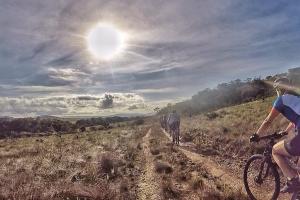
<point x="173" y="50"/>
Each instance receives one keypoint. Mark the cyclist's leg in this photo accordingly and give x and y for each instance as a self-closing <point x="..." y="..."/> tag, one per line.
<point x="172" y="132"/>
<point x="178" y="133"/>
<point x="280" y="153"/>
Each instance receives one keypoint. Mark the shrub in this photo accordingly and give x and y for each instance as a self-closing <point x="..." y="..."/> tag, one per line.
<point x="211" y="115"/>
<point x="154" y="151"/>
<point x="169" y="191"/>
<point x="106" y="164"/>
<point x="138" y="122"/>
<point x="161" y="167"/>
<point x="187" y="137"/>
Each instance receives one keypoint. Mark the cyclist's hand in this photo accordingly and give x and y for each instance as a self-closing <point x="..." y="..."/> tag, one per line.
<point x="282" y="133"/>
<point x="254" y="138"/>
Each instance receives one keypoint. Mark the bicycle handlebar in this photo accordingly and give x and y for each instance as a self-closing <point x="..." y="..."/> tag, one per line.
<point x="273" y="136"/>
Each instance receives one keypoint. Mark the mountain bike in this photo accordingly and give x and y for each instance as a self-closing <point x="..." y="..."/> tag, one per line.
<point x="261" y="177"/>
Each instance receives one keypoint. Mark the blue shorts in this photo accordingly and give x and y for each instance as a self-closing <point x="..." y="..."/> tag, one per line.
<point x="292" y="145"/>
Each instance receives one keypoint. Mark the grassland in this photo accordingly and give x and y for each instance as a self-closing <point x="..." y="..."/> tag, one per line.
<point x="134" y="161"/>
<point x="95" y="165"/>
<point x="226" y="132"/>
<point x="127" y="162"/>
<point x="223" y="135"/>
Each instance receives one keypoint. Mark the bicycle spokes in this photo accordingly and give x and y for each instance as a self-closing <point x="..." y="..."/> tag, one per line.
<point x="260" y="175"/>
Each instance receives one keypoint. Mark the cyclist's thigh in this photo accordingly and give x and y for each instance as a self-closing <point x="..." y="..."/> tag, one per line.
<point x="280" y="149"/>
<point x="292" y="145"/>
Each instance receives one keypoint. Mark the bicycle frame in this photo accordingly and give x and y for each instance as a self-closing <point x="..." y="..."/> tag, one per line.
<point x="267" y="160"/>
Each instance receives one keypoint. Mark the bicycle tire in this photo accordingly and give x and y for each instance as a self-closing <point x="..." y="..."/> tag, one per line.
<point x="274" y="173"/>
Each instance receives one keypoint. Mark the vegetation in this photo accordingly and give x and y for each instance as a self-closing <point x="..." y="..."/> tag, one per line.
<point x="115" y="158"/>
<point x="92" y="165"/>
<point x="16" y="127"/>
<point x="224" y="135"/>
<point x="225" y="94"/>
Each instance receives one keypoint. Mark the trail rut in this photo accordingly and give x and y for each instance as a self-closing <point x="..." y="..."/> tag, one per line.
<point x="215" y="169"/>
<point x="149" y="187"/>
<point x="212" y="167"/>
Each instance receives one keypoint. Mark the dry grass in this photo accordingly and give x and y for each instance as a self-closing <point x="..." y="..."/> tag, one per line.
<point x="169" y="191"/>
<point x="225" y="133"/>
<point x="69" y="166"/>
<point x="197" y="183"/>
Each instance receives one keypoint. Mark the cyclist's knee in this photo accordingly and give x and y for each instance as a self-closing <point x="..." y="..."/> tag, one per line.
<point x="274" y="152"/>
<point x="279" y="149"/>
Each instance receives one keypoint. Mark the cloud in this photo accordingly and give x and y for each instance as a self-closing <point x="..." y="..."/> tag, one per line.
<point x="133" y="107"/>
<point x="62" y="60"/>
<point x="157" y="90"/>
<point x="56" y="77"/>
<point x="187" y="45"/>
<point x="76" y="105"/>
<point x="40" y="48"/>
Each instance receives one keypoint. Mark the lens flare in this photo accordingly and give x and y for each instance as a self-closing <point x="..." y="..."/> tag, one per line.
<point x="104" y="41"/>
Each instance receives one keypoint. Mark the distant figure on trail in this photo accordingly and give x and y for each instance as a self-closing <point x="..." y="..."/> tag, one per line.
<point x="287" y="104"/>
<point x="174" y="126"/>
<point x="163" y="122"/>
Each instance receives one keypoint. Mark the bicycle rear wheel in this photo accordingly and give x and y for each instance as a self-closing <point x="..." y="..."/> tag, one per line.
<point x="261" y="179"/>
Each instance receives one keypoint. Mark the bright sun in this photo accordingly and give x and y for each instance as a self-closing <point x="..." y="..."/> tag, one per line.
<point x="105" y="41"/>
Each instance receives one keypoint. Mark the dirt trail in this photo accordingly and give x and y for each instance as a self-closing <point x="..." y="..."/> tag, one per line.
<point x="212" y="167"/>
<point x="149" y="187"/>
<point x="215" y="169"/>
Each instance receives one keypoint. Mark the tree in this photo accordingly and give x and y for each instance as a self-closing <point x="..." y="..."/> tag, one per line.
<point x="107" y="101"/>
<point x="157" y="109"/>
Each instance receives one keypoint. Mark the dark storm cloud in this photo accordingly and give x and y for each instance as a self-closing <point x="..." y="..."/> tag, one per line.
<point x="175" y="48"/>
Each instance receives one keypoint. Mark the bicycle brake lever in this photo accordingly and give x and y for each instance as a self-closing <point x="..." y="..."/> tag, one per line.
<point x="280" y="134"/>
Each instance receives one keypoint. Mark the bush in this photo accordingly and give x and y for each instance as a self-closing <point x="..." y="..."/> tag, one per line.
<point x="169" y="191"/>
<point x="161" y="167"/>
<point x="106" y="164"/>
<point x="154" y="151"/>
<point x="211" y="115"/>
<point x="187" y="137"/>
<point x="138" y="122"/>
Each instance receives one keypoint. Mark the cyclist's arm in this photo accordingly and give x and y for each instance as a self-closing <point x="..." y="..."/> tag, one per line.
<point x="266" y="123"/>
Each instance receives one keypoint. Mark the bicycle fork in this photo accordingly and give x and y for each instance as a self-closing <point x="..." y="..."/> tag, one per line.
<point x="259" y="178"/>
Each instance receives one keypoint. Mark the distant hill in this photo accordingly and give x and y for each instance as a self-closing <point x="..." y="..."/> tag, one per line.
<point x="5" y="118"/>
<point x="231" y="93"/>
<point x="225" y="94"/>
<point x="45" y="125"/>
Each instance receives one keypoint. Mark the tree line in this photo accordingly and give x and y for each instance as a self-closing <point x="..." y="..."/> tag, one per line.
<point x="15" y="127"/>
<point x="225" y="94"/>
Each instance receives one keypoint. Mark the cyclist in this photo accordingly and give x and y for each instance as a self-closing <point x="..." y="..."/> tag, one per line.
<point x="174" y="125"/>
<point x="287" y="104"/>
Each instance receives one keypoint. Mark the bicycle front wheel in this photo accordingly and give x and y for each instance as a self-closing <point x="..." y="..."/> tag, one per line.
<point x="261" y="179"/>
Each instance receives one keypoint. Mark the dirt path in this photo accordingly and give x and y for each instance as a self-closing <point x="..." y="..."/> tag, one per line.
<point x="212" y="167"/>
<point x="215" y="169"/>
<point x="149" y="187"/>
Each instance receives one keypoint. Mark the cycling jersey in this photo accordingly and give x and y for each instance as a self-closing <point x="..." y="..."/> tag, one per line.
<point x="289" y="106"/>
<point x="173" y="117"/>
